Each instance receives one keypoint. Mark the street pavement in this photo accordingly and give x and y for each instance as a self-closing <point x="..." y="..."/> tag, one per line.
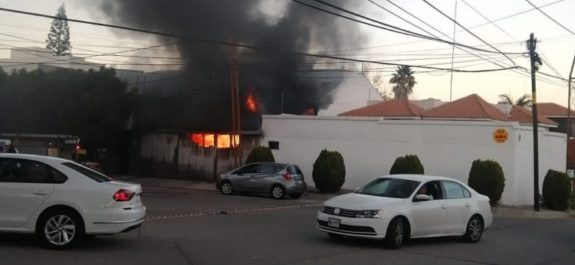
<point x="194" y="224"/>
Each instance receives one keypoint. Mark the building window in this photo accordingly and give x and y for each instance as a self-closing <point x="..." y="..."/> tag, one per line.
<point x="274" y="145"/>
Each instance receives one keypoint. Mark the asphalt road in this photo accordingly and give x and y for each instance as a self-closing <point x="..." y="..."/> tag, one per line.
<point x="203" y="227"/>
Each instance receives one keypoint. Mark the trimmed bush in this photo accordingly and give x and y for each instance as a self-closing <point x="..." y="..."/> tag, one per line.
<point x="408" y="164"/>
<point x="556" y="190"/>
<point x="260" y="154"/>
<point x="328" y="171"/>
<point x="487" y="178"/>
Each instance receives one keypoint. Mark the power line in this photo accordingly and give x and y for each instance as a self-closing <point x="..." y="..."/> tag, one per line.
<point x="238" y="45"/>
<point x="511" y="36"/>
<point x="386" y="26"/>
<point x="549" y="17"/>
<point x="467" y="30"/>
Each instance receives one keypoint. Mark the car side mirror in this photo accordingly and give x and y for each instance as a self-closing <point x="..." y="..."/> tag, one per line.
<point x="421" y="197"/>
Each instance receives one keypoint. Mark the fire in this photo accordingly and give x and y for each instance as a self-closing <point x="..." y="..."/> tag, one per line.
<point x="309" y="111"/>
<point x="251" y="102"/>
<point x="207" y="140"/>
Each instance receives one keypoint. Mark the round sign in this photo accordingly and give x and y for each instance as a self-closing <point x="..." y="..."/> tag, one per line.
<point x="500" y="136"/>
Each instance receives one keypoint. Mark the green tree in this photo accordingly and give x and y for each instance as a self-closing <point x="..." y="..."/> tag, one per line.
<point x="329" y="171"/>
<point x="404" y="82"/>
<point x="260" y="154"/>
<point x="523" y="101"/>
<point x="487" y="178"/>
<point x="59" y="37"/>
<point x="93" y="105"/>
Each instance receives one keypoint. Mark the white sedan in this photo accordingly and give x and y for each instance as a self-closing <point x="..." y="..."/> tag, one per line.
<point x="62" y="201"/>
<point x="397" y="207"/>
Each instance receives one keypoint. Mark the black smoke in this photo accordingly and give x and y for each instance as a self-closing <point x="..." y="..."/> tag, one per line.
<point x="201" y="94"/>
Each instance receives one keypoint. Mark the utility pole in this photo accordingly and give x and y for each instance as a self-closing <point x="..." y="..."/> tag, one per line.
<point x="535" y="62"/>
<point x="452" y="54"/>
<point x="569" y="125"/>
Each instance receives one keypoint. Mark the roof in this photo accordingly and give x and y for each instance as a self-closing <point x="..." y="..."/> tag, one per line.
<point x="552" y="110"/>
<point x="390" y="108"/>
<point x="523" y="115"/>
<point x="470" y="107"/>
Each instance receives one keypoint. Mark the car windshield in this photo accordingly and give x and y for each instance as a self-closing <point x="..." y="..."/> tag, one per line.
<point x="93" y="174"/>
<point x="389" y="187"/>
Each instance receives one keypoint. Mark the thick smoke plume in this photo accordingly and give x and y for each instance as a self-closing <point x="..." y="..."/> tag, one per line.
<point x="203" y="88"/>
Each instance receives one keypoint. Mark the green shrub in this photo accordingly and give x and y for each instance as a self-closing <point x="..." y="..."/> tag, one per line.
<point x="408" y="164"/>
<point x="556" y="190"/>
<point x="329" y="171"/>
<point x="260" y="154"/>
<point x="487" y="178"/>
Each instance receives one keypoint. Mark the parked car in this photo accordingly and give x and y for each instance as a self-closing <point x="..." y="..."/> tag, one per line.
<point x="63" y="201"/>
<point x="398" y="207"/>
<point x="275" y="179"/>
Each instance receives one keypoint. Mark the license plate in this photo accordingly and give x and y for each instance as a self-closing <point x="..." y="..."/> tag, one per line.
<point x="333" y="222"/>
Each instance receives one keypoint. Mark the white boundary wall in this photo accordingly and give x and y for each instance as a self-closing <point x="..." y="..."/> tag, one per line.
<point x="447" y="148"/>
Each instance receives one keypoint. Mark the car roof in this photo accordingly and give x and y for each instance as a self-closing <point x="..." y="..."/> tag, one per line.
<point x="271" y="163"/>
<point x="34" y="157"/>
<point x="415" y="177"/>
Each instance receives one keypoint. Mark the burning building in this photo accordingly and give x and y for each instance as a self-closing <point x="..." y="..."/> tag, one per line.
<point x="191" y="124"/>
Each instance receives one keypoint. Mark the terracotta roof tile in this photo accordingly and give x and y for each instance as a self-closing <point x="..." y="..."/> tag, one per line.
<point x="390" y="108"/>
<point x="470" y="107"/>
<point x="523" y="115"/>
<point x="552" y="110"/>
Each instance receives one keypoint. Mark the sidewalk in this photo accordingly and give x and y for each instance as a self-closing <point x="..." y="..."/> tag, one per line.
<point x="314" y="195"/>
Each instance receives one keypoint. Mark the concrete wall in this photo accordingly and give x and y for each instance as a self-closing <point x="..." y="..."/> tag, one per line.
<point x="446" y="148"/>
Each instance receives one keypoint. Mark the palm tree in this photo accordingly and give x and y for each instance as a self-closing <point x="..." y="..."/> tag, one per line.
<point x="523" y="101"/>
<point x="404" y="82"/>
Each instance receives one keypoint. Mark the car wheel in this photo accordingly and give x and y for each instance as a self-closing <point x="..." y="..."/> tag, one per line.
<point x="277" y="192"/>
<point x="396" y="233"/>
<point x="474" y="230"/>
<point x="61" y="229"/>
<point x="226" y="188"/>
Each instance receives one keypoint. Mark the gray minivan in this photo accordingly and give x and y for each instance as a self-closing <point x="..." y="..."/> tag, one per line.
<point x="275" y="179"/>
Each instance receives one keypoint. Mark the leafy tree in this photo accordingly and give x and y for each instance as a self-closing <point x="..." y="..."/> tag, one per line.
<point x="487" y="178"/>
<point x="260" y="154"/>
<point x="556" y="190"/>
<point x="59" y="37"/>
<point x="523" y="101"/>
<point x="404" y="82"/>
<point x="409" y="164"/>
<point x="93" y="105"/>
<point x="329" y="171"/>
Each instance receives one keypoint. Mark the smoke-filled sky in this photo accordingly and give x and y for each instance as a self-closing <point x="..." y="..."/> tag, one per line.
<point x="557" y="45"/>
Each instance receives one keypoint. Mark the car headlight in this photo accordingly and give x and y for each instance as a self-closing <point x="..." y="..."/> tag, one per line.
<point x="369" y="214"/>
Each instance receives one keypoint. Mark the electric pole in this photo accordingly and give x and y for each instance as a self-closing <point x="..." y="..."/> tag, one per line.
<point x="535" y="62"/>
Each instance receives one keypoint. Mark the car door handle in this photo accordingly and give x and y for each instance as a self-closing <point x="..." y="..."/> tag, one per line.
<point x="467" y="205"/>
<point x="40" y="193"/>
<point x="443" y="206"/>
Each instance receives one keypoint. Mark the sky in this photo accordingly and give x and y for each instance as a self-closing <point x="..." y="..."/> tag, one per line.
<point x="556" y="46"/>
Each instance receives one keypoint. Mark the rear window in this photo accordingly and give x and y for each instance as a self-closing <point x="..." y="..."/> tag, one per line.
<point x="95" y="175"/>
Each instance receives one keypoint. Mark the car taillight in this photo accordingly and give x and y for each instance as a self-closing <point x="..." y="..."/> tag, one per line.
<point x="123" y="195"/>
<point x="287" y="177"/>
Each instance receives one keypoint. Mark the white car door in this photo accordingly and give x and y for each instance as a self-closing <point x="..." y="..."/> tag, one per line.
<point x="458" y="207"/>
<point x="24" y="186"/>
<point x="429" y="217"/>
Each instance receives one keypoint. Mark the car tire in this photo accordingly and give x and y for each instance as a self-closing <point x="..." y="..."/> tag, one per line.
<point x="396" y="233"/>
<point x="60" y="229"/>
<point x="277" y="192"/>
<point x="226" y="188"/>
<point x="474" y="229"/>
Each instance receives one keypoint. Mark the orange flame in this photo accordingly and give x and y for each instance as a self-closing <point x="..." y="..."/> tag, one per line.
<point x="207" y="140"/>
<point x="251" y="102"/>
